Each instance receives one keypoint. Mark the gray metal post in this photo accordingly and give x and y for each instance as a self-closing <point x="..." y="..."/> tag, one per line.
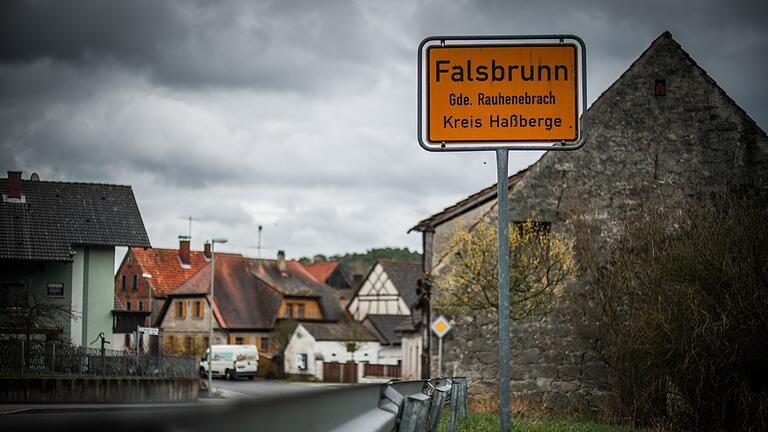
<point x="414" y="413"/>
<point x="210" y="323"/>
<point x="502" y="161"/>
<point x="439" y="357"/>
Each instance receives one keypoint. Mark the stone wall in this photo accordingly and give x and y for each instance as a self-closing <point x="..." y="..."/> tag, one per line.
<point x="675" y="149"/>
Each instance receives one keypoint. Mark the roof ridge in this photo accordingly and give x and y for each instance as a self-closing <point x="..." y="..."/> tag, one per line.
<point x="71" y="182"/>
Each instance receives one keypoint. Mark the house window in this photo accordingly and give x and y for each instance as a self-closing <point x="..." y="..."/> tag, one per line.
<point x="660" y="87"/>
<point x="301" y="310"/>
<point x="127" y="306"/>
<point x="264" y="344"/>
<point x="289" y="310"/>
<point x="135" y="285"/>
<point x="198" y="309"/>
<point x="301" y="361"/>
<point x="238" y="340"/>
<point x="122" y="283"/>
<point x="141" y="305"/>
<point x="189" y="344"/>
<point x="181" y="310"/>
<point x="127" y="341"/>
<point x="55" y="290"/>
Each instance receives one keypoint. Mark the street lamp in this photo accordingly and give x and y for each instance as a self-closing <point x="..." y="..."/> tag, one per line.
<point x="210" y="315"/>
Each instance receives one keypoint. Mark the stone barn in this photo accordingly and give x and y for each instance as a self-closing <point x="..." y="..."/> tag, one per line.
<point x="664" y="130"/>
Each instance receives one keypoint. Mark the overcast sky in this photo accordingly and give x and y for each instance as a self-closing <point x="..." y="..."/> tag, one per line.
<point x="298" y="115"/>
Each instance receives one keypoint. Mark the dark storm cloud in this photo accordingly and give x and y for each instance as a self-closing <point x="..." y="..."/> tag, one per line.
<point x="299" y="115"/>
<point x="267" y="45"/>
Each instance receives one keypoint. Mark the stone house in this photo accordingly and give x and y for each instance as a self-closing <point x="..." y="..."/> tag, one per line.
<point x="57" y="247"/>
<point x="663" y="132"/>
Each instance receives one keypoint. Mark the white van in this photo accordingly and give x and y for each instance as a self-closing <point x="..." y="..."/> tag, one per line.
<point x="231" y="361"/>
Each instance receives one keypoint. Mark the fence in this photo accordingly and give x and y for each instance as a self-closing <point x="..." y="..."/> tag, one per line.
<point x="384" y="371"/>
<point x="39" y="358"/>
<point x="340" y="372"/>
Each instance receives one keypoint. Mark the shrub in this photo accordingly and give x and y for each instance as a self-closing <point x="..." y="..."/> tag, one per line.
<point x="681" y="309"/>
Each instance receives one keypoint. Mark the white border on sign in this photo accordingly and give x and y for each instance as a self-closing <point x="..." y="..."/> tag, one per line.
<point x="500" y="40"/>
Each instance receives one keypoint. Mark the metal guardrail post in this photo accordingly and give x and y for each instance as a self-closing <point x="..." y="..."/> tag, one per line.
<point x="438" y="402"/>
<point x="455" y="402"/>
<point x="464" y="398"/>
<point x="414" y="414"/>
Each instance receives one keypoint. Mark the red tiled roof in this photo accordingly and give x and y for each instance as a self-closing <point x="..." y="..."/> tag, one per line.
<point x="166" y="269"/>
<point x="321" y="270"/>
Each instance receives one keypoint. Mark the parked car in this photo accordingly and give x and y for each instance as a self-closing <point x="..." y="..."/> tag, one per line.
<point x="231" y="361"/>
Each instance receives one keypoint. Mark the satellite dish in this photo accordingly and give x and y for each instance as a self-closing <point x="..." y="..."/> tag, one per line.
<point x="34" y="177"/>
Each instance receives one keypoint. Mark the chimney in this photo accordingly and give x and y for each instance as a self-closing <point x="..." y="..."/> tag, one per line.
<point x="184" y="250"/>
<point x="281" y="262"/>
<point x="14" y="184"/>
<point x="207" y="250"/>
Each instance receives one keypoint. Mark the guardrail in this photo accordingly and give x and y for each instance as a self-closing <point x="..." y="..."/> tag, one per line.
<point x="399" y="406"/>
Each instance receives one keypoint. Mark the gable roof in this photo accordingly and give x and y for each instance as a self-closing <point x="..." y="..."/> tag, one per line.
<point x="165" y="267"/>
<point x="348" y="331"/>
<point x="248" y="292"/>
<point x="489" y="193"/>
<point x="321" y="270"/>
<point x="405" y="277"/>
<point x="386" y="326"/>
<point x="298" y="282"/>
<point x="55" y="216"/>
<point x="473" y="201"/>
<point x="241" y="300"/>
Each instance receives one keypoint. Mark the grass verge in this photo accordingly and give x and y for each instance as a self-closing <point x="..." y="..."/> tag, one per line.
<point x="489" y="422"/>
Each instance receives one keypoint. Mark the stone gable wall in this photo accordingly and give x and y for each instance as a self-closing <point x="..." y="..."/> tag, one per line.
<point x="673" y="149"/>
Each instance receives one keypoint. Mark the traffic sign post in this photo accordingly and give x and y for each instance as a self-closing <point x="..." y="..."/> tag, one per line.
<point x="440" y="327"/>
<point x="501" y="93"/>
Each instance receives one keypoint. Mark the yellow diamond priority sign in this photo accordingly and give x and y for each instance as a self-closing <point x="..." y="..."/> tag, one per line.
<point x="441" y="326"/>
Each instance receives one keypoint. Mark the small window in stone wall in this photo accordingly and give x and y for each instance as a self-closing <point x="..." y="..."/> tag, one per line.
<point x="55" y="289"/>
<point x="660" y="87"/>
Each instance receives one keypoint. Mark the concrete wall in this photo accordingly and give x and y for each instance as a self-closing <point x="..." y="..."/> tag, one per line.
<point x="97" y="390"/>
<point x="671" y="150"/>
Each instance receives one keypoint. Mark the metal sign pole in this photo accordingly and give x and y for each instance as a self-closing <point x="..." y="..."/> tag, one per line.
<point x="502" y="162"/>
<point x="440" y="356"/>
